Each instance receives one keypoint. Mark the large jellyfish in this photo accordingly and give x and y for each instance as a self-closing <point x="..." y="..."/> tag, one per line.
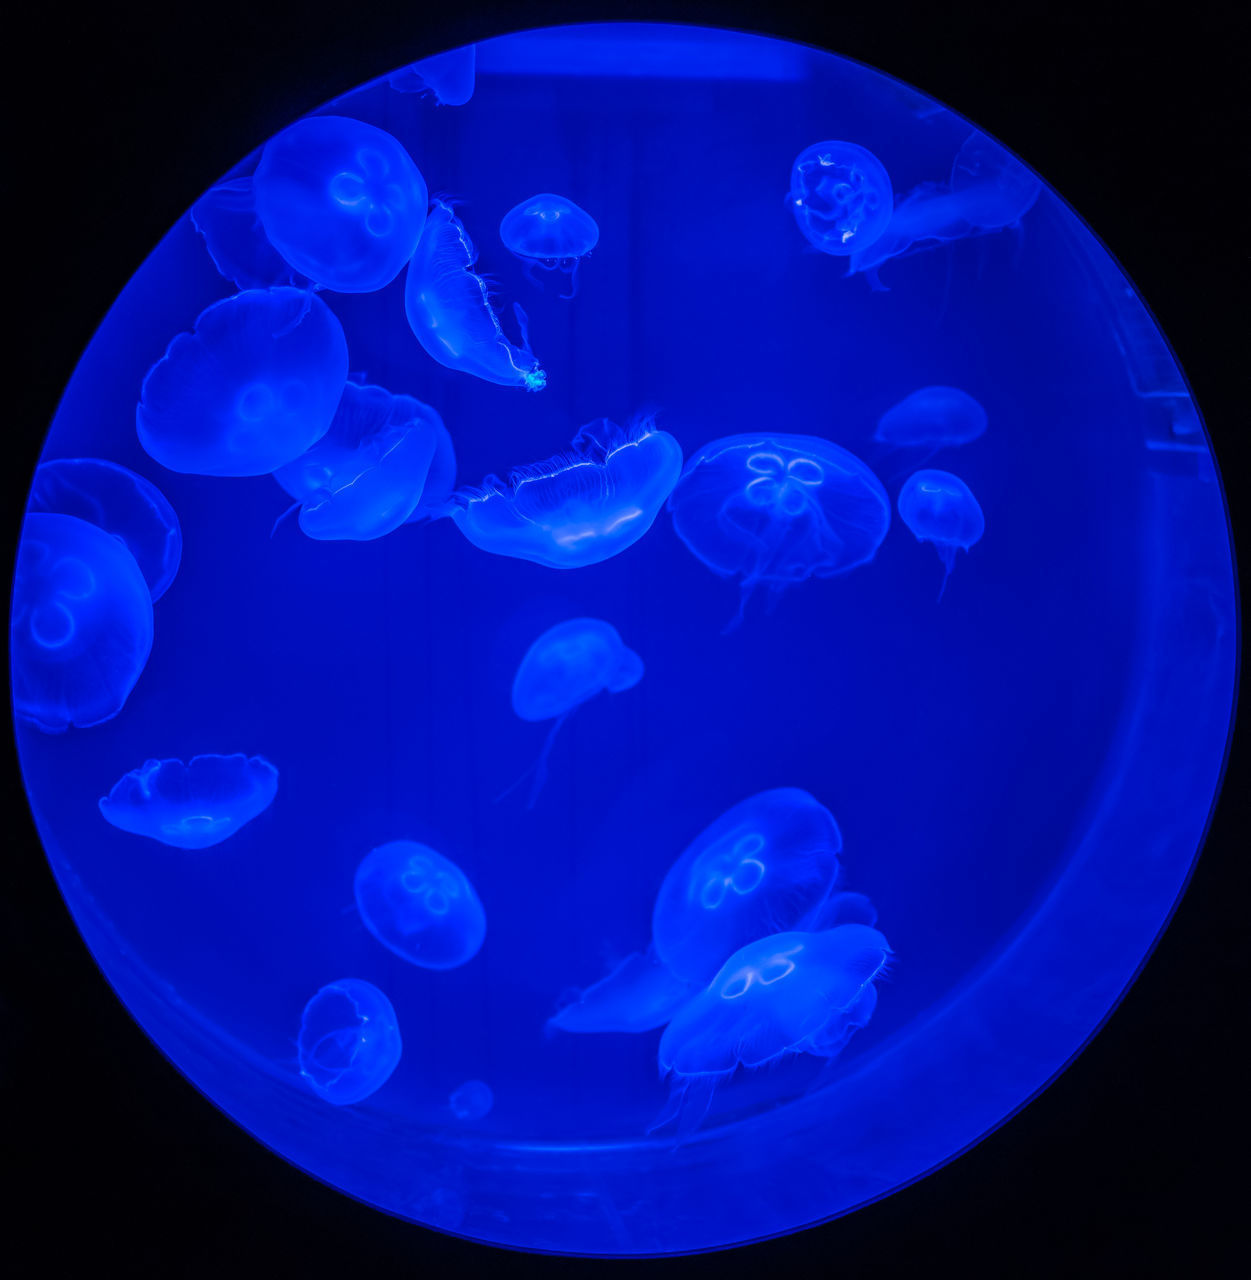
<point x="226" y="217"/>
<point x="472" y="1100"/>
<point x="778" y="510"/>
<point x="640" y="993"/>
<point x="549" y="232"/>
<point x="115" y="499"/>
<point x="349" y="1041"/>
<point x="342" y="202"/>
<point x="933" y="417"/>
<point x="841" y="196"/>
<point x="447" y="77"/>
<point x="194" y="805"/>
<point x="419" y="905"/>
<point x="253" y="387"/>
<point x="449" y="308"/>
<point x="940" y="508"/>
<point x="764" y="866"/>
<point x="580" y="507"/>
<point x="81" y="627"/>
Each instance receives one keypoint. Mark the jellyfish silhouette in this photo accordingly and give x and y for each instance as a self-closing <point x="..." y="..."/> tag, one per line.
<point x="940" y="508"/>
<point x="447" y="77"/>
<point x="472" y="1100"/>
<point x="933" y="417"/>
<point x="341" y="201"/>
<point x="419" y="905"/>
<point x="551" y="233"/>
<point x="115" y="499"/>
<point x="194" y="805"/>
<point x="81" y="625"/>
<point x="255" y="386"/>
<point x="436" y="495"/>
<point x="778" y="510"/>
<point x="640" y="993"/>
<point x="349" y="1042"/>
<point x="226" y="217"/>
<point x="841" y="196"/>
<point x="449" y="308"/>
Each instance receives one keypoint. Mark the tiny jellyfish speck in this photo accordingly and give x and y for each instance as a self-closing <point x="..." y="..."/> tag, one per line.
<point x="447" y="77"/>
<point x="551" y="233"/>
<point x="940" y="508"/>
<point x="933" y="417"/>
<point x="472" y="1100"/>
<point x="420" y="905"/>
<point x="349" y="1042"/>
<point x="81" y="623"/>
<point x="226" y="217"/>
<point x="255" y="386"/>
<point x="841" y="196"/>
<point x="194" y="805"/>
<point x="639" y="994"/>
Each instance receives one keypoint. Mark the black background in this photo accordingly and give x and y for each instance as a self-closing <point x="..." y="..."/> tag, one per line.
<point x="118" y="119"/>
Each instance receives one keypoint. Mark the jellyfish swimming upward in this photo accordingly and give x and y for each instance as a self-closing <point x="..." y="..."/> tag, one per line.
<point x="841" y="196"/>
<point x="349" y="1042"/>
<point x="940" y="508"/>
<point x="551" y="233"/>
<point x="932" y="417"/>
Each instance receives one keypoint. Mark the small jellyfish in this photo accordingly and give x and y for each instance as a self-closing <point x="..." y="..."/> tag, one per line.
<point x="472" y="1100"/>
<point x="194" y="805"/>
<point x="115" y="499"/>
<point x="342" y="202"/>
<point x="841" y="196"/>
<point x="349" y="1041"/>
<point x="940" y="508"/>
<point x="763" y="866"/>
<point x="641" y="993"/>
<point x="933" y="417"/>
<point x="580" y="507"/>
<point x="778" y="510"/>
<point x="226" y="217"/>
<point x="994" y="188"/>
<point x="447" y="77"/>
<point x="419" y="905"/>
<point x="449" y="309"/>
<point x="255" y="386"/>
<point x="551" y="233"/>
<point x="81" y="625"/>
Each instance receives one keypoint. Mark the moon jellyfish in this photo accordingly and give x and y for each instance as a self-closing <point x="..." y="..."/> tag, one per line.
<point x="436" y="494"/>
<point x="191" y="806"/>
<point x="255" y="386"/>
<point x="342" y="202"/>
<point x="449" y="309"/>
<point x="761" y="867"/>
<point x="841" y="908"/>
<point x="641" y="993"/>
<point x="841" y="196"/>
<point x="580" y="507"/>
<point x="940" y="508"/>
<point x="115" y="499"/>
<point x="551" y="233"/>
<point x="349" y="1042"/>
<point x="933" y="416"/>
<point x="419" y="905"/>
<point x="778" y="510"/>
<point x="472" y="1100"/>
<point x="447" y="77"/>
<point x="81" y="624"/>
<point x="226" y="217"/>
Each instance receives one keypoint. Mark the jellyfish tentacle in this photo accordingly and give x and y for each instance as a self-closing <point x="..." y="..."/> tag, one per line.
<point x="573" y="281"/>
<point x="295" y="506"/>
<point x="540" y="768"/>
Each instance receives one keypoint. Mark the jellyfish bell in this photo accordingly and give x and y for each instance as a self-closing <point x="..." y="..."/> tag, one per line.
<point x="994" y="188"/>
<point x="225" y="216"/>
<point x="939" y="507"/>
<point x="841" y="196"/>
<point x="933" y="417"/>
<point x="551" y="233"/>
<point x="349" y="1042"/>
<point x="471" y="1100"/>
<point x="639" y="994"/>
<point x="447" y="77"/>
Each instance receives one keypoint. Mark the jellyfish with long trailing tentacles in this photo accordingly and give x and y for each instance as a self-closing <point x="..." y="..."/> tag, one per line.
<point x="349" y="1042"/>
<point x="933" y="418"/>
<point x="841" y="196"/>
<point x="939" y="507"/>
<point x="551" y="233"/>
<point x="447" y="77"/>
<point x="225" y="216"/>
<point x="639" y="994"/>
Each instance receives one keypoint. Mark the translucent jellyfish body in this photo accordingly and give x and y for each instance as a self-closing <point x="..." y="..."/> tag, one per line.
<point x="447" y="77"/>
<point x="778" y="510"/>
<point x="449" y="309"/>
<point x="580" y="507"/>
<point x="194" y="805"/>
<point x="341" y="201"/>
<point x="933" y="417"/>
<point x="940" y="508"/>
<point x="81" y="626"/>
<point x="115" y="499"/>
<point x="226" y="217"/>
<point x="640" y="993"/>
<point x="255" y="386"/>
<point x="419" y="905"/>
<point x="550" y="232"/>
<point x="436" y="494"/>
<point x="349" y="1042"/>
<point x="763" y="866"/>
<point x="841" y="196"/>
<point x="472" y="1100"/>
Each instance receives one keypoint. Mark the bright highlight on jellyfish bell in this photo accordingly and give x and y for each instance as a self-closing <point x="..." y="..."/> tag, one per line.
<point x="472" y="1100"/>
<point x="841" y="196"/>
<point x="934" y="417"/>
<point x="349" y="1042"/>
<point x="447" y="77"/>
<point x="940" y="508"/>
<point x="639" y="994"/>
<point x="550" y="232"/>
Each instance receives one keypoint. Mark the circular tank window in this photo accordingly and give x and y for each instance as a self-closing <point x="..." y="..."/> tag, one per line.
<point x="635" y="690"/>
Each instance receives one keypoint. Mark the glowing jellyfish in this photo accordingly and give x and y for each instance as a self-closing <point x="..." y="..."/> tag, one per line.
<point x="841" y="908"/>
<point x="115" y="499"/>
<point x="420" y="905"/>
<point x="787" y="993"/>
<point x="841" y="196"/>
<point x="994" y="188"/>
<point x="761" y="867"/>
<point x="778" y="510"/>
<point x="194" y="805"/>
<point x="349" y="1041"/>
<point x="472" y="1100"/>
<point x="551" y="233"/>
<point x="449" y="309"/>
<point x="932" y="416"/>
<point x="341" y="201"/>
<point x="81" y="626"/>
<point x="255" y="386"/>
<point x="226" y="217"/>
<point x="940" y="508"/>
<point x="580" y="507"/>
<point x="447" y="77"/>
<point x="436" y="495"/>
<point x="640" y="993"/>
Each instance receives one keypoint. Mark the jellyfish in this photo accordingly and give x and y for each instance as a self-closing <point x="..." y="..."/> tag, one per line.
<point x="366" y="475"/>
<point x="472" y="1100"/>
<point x="552" y="233"/>
<point x="933" y="417"/>
<point x="940" y="508"/>
<point x="640" y="993"/>
<point x="81" y="625"/>
<point x="255" y="386"/>
<point x="341" y="201"/>
<point x="115" y="499"/>
<point x="449" y="309"/>
<point x="194" y="805"/>
<point x="762" y="867"/>
<point x="419" y="905"/>
<point x="436" y="494"/>
<point x="787" y="993"/>
<point x="447" y="77"/>
<point x="778" y="510"/>
<point x="226" y="217"/>
<point x="349" y="1041"/>
<point x="841" y="196"/>
<point x="841" y="908"/>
